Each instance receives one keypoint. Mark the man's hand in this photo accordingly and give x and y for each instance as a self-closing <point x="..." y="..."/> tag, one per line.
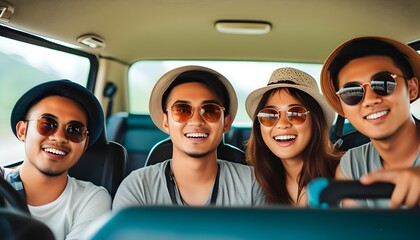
<point x="407" y="185"/>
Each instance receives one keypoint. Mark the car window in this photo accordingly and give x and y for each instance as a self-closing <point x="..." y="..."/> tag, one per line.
<point x="245" y="77"/>
<point x="22" y="66"/>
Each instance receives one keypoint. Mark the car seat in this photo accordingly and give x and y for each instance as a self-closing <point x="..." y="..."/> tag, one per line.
<point x="238" y="136"/>
<point x="137" y="133"/>
<point x="103" y="164"/>
<point x="345" y="136"/>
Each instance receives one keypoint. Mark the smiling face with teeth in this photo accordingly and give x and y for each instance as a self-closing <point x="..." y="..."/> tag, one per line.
<point x="195" y="138"/>
<point x="285" y="140"/>
<point x="377" y="117"/>
<point x="51" y="155"/>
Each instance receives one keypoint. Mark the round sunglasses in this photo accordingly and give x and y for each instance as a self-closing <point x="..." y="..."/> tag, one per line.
<point x="75" y="131"/>
<point x="182" y="112"/>
<point x="383" y="84"/>
<point x="294" y="114"/>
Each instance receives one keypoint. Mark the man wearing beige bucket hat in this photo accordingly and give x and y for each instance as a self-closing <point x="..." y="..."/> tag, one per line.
<point x="372" y="81"/>
<point x="195" y="106"/>
<point x="289" y="144"/>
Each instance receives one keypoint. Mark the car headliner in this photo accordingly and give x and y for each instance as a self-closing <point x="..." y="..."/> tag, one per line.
<point x="302" y="30"/>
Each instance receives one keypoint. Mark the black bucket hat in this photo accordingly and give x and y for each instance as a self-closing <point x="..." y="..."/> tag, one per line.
<point x="63" y="88"/>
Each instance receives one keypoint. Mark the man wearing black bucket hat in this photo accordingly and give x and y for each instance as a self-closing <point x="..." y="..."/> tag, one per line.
<point x="195" y="106"/>
<point x="372" y="81"/>
<point x="57" y="121"/>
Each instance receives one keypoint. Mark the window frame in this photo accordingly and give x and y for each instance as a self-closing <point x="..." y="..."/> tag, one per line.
<point x="42" y="42"/>
<point x="38" y="41"/>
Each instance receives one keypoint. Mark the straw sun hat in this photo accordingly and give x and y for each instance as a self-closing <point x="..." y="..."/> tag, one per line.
<point x="282" y="78"/>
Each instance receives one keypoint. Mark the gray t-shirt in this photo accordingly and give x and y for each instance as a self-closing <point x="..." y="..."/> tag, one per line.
<point x="361" y="160"/>
<point x="147" y="186"/>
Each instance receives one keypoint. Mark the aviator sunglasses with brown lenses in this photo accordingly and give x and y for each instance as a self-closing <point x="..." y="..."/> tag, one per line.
<point x="295" y="114"/>
<point x="47" y="125"/>
<point x="182" y="112"/>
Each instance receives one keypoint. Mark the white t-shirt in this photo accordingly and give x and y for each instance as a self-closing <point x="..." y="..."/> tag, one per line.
<point x="148" y="186"/>
<point x="80" y="204"/>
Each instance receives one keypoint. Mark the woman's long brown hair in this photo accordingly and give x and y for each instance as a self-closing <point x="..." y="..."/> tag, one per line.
<point x="319" y="157"/>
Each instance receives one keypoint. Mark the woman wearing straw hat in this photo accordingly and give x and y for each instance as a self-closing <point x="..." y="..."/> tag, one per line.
<point x="289" y="144"/>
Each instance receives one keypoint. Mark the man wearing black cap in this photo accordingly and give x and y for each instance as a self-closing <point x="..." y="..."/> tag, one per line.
<point x="372" y="81"/>
<point x="195" y="106"/>
<point x="57" y="121"/>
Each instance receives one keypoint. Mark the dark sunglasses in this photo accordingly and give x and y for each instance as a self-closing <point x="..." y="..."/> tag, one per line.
<point x="182" y="112"/>
<point x="295" y="115"/>
<point x="75" y="131"/>
<point x="383" y="84"/>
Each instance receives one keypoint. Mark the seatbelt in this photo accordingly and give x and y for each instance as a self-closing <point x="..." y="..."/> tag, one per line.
<point x="109" y="91"/>
<point x="338" y="131"/>
<point x="170" y="183"/>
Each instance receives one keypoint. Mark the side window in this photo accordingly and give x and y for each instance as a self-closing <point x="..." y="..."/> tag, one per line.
<point x="23" y="65"/>
<point x="245" y="76"/>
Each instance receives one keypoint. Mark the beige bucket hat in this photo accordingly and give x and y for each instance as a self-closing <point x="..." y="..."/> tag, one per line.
<point x="155" y="103"/>
<point x="301" y="80"/>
